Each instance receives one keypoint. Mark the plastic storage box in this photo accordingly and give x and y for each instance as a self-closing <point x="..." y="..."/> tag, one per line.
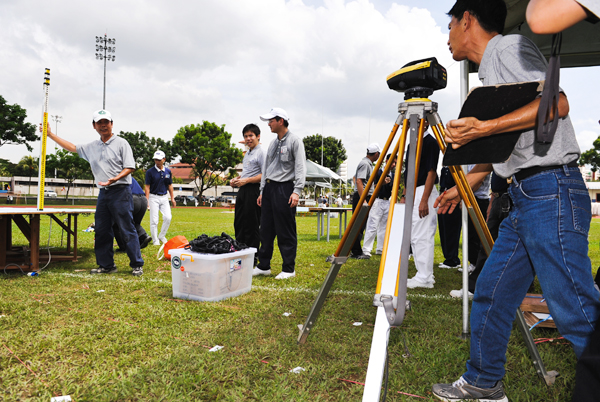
<point x="211" y="277"/>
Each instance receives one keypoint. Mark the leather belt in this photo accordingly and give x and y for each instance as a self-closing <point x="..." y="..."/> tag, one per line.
<point x="525" y="173"/>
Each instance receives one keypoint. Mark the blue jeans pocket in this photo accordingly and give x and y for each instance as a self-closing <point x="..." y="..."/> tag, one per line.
<point x="581" y="207"/>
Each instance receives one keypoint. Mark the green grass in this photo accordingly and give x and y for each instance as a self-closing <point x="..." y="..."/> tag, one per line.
<point x="134" y="342"/>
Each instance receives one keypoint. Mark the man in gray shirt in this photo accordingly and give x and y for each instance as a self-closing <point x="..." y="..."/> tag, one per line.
<point x="546" y="231"/>
<point x="112" y="163"/>
<point x="363" y="172"/>
<point x="247" y="211"/>
<point x="282" y="182"/>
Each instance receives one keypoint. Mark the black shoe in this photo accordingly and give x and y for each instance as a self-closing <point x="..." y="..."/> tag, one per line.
<point x="137" y="271"/>
<point x="103" y="270"/>
<point x="363" y="257"/>
<point x="356" y="256"/>
<point x="144" y="243"/>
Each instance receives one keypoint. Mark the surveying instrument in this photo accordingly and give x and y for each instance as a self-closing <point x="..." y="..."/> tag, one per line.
<point x="417" y="80"/>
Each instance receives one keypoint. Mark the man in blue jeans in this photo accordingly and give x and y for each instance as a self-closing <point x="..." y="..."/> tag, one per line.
<point x="545" y="233"/>
<point x="112" y="163"/>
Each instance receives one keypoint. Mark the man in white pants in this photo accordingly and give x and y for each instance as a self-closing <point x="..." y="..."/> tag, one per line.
<point x="378" y="214"/>
<point x="424" y="222"/>
<point x="159" y="186"/>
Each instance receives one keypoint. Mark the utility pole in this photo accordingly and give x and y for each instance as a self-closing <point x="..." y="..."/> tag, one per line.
<point x="105" y="46"/>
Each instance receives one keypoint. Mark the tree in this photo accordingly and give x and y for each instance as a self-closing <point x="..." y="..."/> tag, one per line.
<point x="143" y="148"/>
<point x="27" y="166"/>
<point x="7" y="168"/>
<point x="334" y="153"/>
<point x="69" y="166"/>
<point x="13" y="128"/>
<point x="591" y="157"/>
<point x="208" y="148"/>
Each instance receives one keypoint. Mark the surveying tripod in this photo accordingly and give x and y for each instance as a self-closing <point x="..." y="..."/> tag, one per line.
<point x="412" y="115"/>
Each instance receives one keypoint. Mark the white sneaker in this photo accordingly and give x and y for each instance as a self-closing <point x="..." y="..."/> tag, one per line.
<point x="417" y="283"/>
<point x="471" y="268"/>
<point x="458" y="294"/>
<point x="285" y="275"/>
<point x="257" y="271"/>
<point x="156" y="243"/>
<point x="163" y="239"/>
<point x="378" y="252"/>
<point x="442" y="265"/>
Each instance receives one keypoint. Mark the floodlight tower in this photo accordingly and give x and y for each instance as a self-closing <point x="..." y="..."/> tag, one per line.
<point x="105" y="46"/>
<point x="57" y="119"/>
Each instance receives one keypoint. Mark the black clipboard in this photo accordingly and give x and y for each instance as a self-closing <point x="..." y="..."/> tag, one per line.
<point x="486" y="103"/>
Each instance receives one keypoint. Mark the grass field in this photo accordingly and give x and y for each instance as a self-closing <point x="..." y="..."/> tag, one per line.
<point x="123" y="338"/>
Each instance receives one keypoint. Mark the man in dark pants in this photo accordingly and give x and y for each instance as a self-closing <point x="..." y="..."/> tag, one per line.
<point x="112" y="163"/>
<point x="450" y="226"/>
<point x="363" y="173"/>
<point x="500" y="206"/>
<point x="282" y="182"/>
<point x="140" y="205"/>
<point x="247" y="211"/>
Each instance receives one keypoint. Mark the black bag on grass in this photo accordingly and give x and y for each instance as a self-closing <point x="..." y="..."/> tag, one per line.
<point x="215" y="245"/>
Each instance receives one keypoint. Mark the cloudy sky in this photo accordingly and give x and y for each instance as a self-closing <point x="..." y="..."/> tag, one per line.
<point x="182" y="62"/>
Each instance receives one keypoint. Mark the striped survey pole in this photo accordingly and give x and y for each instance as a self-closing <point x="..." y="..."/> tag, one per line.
<point x="42" y="163"/>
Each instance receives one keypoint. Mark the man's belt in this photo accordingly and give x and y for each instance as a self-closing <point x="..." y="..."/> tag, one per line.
<point x="384" y="198"/>
<point x="278" y="182"/>
<point x="159" y="194"/>
<point x="525" y="173"/>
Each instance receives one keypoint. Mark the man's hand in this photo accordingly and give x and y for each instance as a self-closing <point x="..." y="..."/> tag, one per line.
<point x="423" y="208"/>
<point x="173" y="203"/>
<point x="462" y="131"/>
<point x="259" y="200"/>
<point x="293" y="200"/>
<point x="447" y="201"/>
<point x="108" y="182"/>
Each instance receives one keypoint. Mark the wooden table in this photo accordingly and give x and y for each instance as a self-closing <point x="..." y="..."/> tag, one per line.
<point x="327" y="210"/>
<point x="29" y="259"/>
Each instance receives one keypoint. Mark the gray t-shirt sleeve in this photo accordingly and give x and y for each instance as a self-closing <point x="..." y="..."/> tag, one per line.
<point x="592" y="6"/>
<point x="300" y="166"/>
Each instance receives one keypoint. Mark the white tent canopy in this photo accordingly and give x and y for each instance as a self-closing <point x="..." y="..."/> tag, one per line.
<point x="318" y="173"/>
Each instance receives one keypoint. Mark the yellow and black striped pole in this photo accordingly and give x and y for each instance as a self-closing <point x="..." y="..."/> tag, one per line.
<point x="42" y="163"/>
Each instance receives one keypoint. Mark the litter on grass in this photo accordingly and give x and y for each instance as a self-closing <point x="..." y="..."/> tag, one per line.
<point x="65" y="398"/>
<point x="99" y="291"/>
<point x="297" y="370"/>
<point x="287" y="314"/>
<point x="357" y="324"/>
<point x="215" y="348"/>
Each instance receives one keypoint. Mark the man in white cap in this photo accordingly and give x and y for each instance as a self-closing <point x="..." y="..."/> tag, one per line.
<point x="159" y="187"/>
<point x="112" y="163"/>
<point x="282" y="182"/>
<point x="363" y="173"/>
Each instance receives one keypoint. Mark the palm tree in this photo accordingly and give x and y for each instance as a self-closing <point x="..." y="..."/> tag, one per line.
<point x="28" y="164"/>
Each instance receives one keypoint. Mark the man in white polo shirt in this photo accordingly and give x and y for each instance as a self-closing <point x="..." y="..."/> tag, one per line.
<point x="159" y="187"/>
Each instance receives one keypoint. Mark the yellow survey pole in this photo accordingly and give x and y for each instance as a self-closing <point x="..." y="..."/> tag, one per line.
<point x="42" y="167"/>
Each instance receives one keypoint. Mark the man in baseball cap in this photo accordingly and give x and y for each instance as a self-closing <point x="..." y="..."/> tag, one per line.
<point x="159" y="187"/>
<point x="361" y="177"/>
<point x="282" y="181"/>
<point x="112" y="163"/>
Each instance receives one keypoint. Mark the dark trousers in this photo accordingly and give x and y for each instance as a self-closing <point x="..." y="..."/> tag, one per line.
<point x="499" y="211"/>
<point x="356" y="248"/>
<point x="474" y="241"/>
<point x="587" y="371"/>
<point x="140" y="206"/>
<point x="115" y="205"/>
<point x="450" y="226"/>
<point x="278" y="220"/>
<point x="247" y="217"/>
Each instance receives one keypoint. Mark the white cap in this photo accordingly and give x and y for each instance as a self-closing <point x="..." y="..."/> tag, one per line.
<point x="102" y="114"/>
<point x="159" y="155"/>
<point x="374" y="147"/>
<point x="276" y="111"/>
